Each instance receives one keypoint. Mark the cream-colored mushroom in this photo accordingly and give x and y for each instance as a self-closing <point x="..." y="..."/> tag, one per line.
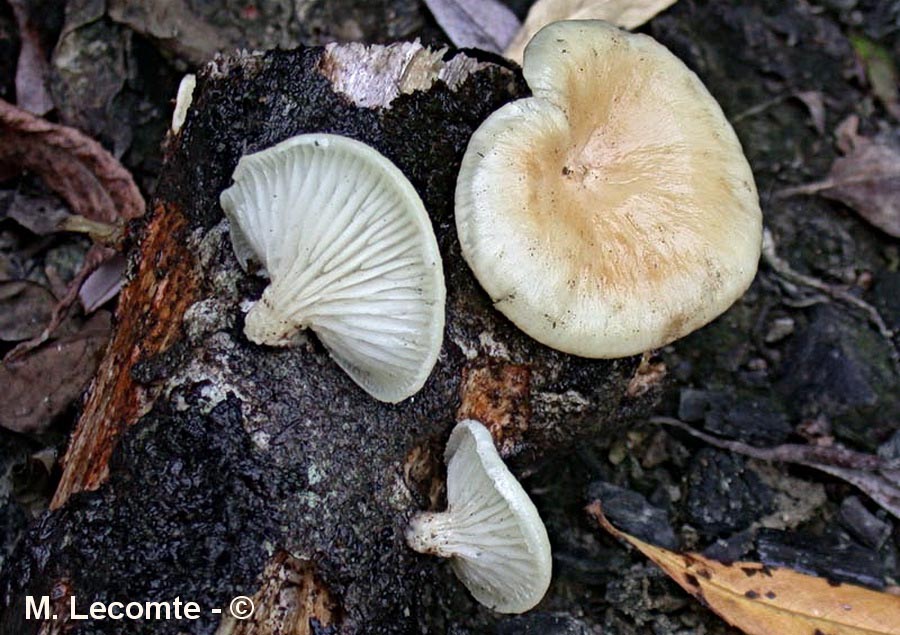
<point x="628" y="14"/>
<point x="491" y="531"/>
<point x="613" y="211"/>
<point x="351" y="254"/>
<point x="183" y="101"/>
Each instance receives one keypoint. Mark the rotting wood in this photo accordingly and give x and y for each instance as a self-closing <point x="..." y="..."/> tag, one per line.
<point x="149" y="322"/>
<point x="326" y="463"/>
<point x="292" y="600"/>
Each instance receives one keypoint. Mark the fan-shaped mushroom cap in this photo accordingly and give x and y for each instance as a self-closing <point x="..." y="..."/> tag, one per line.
<point x="351" y="254"/>
<point x="491" y="530"/>
<point x="613" y="211"/>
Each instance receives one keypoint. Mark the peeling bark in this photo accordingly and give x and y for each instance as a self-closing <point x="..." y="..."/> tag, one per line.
<point x="291" y="601"/>
<point x="149" y="322"/>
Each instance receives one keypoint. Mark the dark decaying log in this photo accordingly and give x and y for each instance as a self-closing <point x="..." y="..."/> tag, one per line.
<point x="206" y="467"/>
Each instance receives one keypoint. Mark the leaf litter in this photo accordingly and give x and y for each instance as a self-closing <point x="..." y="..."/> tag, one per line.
<point x="41" y="386"/>
<point x="32" y="67"/>
<point x="880" y="71"/>
<point x="866" y="178"/>
<point x="485" y="24"/>
<point x="875" y="476"/>
<point x="788" y="276"/>
<point x="78" y="168"/>
<point x="42" y="375"/>
<point x="25" y="307"/>
<point x="96" y="187"/>
<point x="762" y="600"/>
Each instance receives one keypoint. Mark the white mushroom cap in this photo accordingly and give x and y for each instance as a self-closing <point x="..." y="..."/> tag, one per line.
<point x="183" y="101"/>
<point x="491" y="530"/>
<point x="351" y="254"/>
<point x="613" y="211"/>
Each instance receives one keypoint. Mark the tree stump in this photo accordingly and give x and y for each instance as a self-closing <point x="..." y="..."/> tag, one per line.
<point x="206" y="467"/>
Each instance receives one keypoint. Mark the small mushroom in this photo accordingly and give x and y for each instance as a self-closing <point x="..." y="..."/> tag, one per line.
<point x="491" y="531"/>
<point x="613" y="211"/>
<point x="351" y="254"/>
<point x="183" y="101"/>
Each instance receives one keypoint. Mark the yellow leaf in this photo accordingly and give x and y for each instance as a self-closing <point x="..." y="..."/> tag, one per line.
<point x="628" y="14"/>
<point x="763" y="600"/>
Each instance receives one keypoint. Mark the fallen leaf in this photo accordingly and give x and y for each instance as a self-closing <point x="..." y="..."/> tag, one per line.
<point x="40" y="387"/>
<point x="485" y="24"/>
<point x="763" y="600"/>
<point x="103" y="284"/>
<point x="42" y="215"/>
<point x="32" y="67"/>
<point x="93" y="183"/>
<point x="80" y="170"/>
<point x="628" y="14"/>
<point x="815" y="103"/>
<point x="182" y="28"/>
<point x="46" y="215"/>
<point x="92" y="70"/>
<point x="25" y="308"/>
<point x="96" y="256"/>
<point x="866" y="179"/>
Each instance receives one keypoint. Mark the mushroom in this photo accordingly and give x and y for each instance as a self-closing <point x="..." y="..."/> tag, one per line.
<point x="183" y="101"/>
<point x="491" y="531"/>
<point x="350" y="253"/>
<point x="613" y="211"/>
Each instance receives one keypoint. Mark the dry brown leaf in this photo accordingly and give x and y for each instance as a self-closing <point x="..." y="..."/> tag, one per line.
<point x="103" y="284"/>
<point x="867" y="179"/>
<point x="46" y="215"/>
<point x="42" y="215"/>
<point x="628" y="14"/>
<point x="32" y="68"/>
<point x="25" y="308"/>
<point x="815" y="103"/>
<point x="96" y="256"/>
<point x="43" y="385"/>
<point x="485" y="24"/>
<point x="763" y="600"/>
<point x="93" y="183"/>
<point x="73" y="165"/>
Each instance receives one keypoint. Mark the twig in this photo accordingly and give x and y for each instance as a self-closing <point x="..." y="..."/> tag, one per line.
<point x="870" y="473"/>
<point x="783" y="269"/>
<point x="759" y="108"/>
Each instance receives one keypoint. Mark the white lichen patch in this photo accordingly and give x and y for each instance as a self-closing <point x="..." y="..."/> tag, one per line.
<point x="491" y="346"/>
<point x="261" y="439"/>
<point x="373" y="76"/>
<point x="554" y="403"/>
<point x="206" y="317"/>
<point x="314" y="474"/>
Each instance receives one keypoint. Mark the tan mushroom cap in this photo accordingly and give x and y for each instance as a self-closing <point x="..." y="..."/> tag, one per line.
<point x="613" y="211"/>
